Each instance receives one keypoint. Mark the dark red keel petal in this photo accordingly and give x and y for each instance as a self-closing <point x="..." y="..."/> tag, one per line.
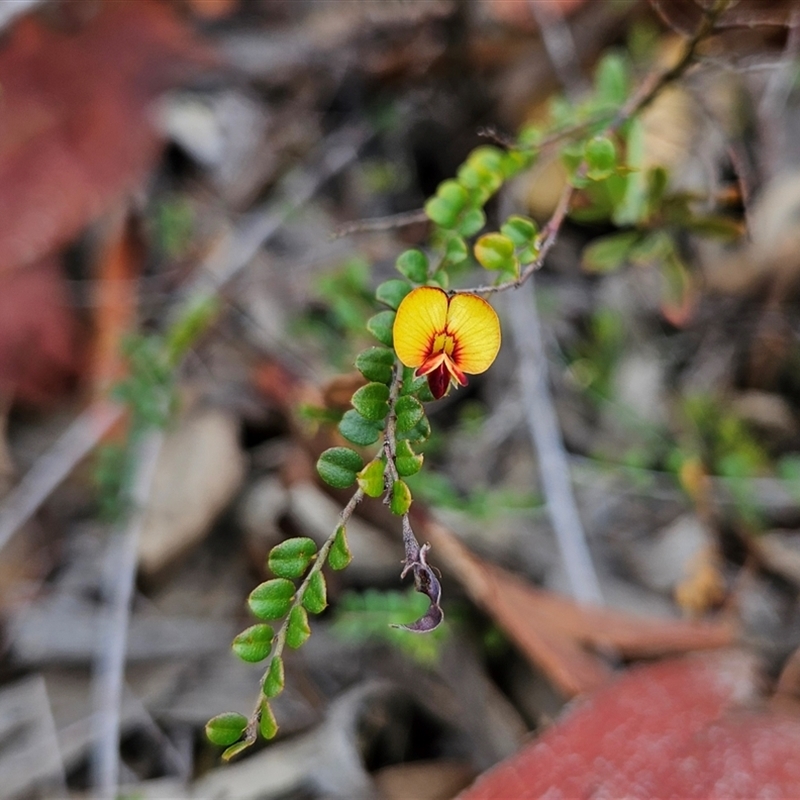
<point x="439" y="381"/>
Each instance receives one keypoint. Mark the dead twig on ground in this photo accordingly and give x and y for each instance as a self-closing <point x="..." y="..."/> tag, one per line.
<point x="119" y="580"/>
<point x="542" y="422"/>
<point x="79" y="439"/>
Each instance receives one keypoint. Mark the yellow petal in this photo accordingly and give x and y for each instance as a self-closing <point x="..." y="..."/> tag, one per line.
<point x="421" y="315"/>
<point x="475" y="327"/>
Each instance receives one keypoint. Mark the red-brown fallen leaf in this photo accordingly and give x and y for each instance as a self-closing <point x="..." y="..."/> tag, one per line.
<point x="38" y="336"/>
<point x="76" y="131"/>
<point x="671" y="730"/>
<point x="555" y="633"/>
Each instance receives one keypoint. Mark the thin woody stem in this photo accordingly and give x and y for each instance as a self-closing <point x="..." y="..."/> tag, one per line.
<point x="410" y="543"/>
<point x="547" y="238"/>
<point x="390" y="434"/>
<point x="279" y="642"/>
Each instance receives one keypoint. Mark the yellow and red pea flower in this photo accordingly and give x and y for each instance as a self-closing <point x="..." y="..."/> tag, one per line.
<point x="445" y="338"/>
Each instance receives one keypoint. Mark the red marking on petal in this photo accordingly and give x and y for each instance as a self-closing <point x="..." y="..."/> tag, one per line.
<point x="430" y="364"/>
<point x="459" y="376"/>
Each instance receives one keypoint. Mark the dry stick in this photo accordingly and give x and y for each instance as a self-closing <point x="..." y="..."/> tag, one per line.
<point x="545" y="433"/>
<point x="560" y="46"/>
<point x="119" y="579"/>
<point x="79" y="439"/>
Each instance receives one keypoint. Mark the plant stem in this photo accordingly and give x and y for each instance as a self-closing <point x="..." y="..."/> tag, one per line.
<point x="280" y="637"/>
<point x="648" y="91"/>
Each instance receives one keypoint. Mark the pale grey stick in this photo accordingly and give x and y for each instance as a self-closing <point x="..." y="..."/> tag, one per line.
<point x="12" y="9"/>
<point x="77" y="441"/>
<point x="119" y="580"/>
<point x="234" y="253"/>
<point x="560" y="46"/>
<point x="545" y="433"/>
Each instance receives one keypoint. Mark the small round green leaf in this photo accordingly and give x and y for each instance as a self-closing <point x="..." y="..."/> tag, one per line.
<point x="494" y="251"/>
<point x="371" y="480"/>
<point x="372" y="401"/>
<point x="414" y="265"/>
<point x="376" y="364"/>
<point x="471" y="222"/>
<point x="315" y="597"/>
<point x="235" y="749"/>
<point x="611" y="80"/>
<point x="267" y="724"/>
<point x="609" y="253"/>
<point x="297" y="630"/>
<point x="271" y="599"/>
<point x="254" y="643"/>
<point x="601" y="158"/>
<point x="401" y="498"/>
<point x="275" y="679"/>
<point x="470" y="176"/>
<point x="380" y="326"/>
<point x="529" y="254"/>
<point x="419" y="433"/>
<point x="359" y="431"/>
<point x="407" y="461"/>
<point x="225" y="729"/>
<point x="487" y="158"/>
<point x="440" y="278"/>
<point x="409" y="412"/>
<point x="514" y="161"/>
<point x="441" y="212"/>
<point x="520" y="230"/>
<point x="392" y="292"/>
<point x="339" y="556"/>
<point x="338" y="466"/>
<point x="452" y="193"/>
<point x="455" y="249"/>
<point x="530" y="137"/>
<point x="290" y="559"/>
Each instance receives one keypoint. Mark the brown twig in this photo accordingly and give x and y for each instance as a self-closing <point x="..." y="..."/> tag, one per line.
<point x="648" y="91"/>
<point x="547" y="239"/>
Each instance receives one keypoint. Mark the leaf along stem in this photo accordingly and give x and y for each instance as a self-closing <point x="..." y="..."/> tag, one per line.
<point x="251" y="731"/>
<point x="648" y="91"/>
